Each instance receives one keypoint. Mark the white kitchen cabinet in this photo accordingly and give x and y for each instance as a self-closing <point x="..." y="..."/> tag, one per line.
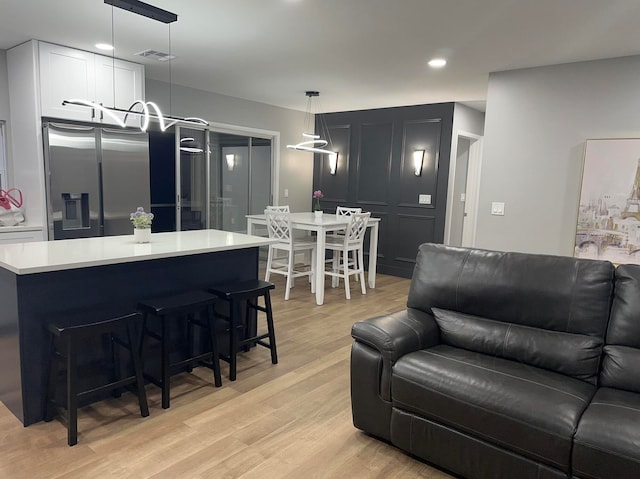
<point x="40" y="76"/>
<point x="67" y="73"/>
<point x="129" y="82"/>
<point x="20" y="234"/>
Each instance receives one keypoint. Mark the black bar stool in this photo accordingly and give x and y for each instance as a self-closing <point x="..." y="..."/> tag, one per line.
<point x="173" y="307"/>
<point x="66" y="338"/>
<point x="246" y="292"/>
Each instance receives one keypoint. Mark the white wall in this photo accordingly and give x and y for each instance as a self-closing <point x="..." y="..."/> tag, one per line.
<point x="537" y="121"/>
<point x="4" y="102"/>
<point x="467" y="120"/>
<point x="4" y="87"/>
<point x="296" y="167"/>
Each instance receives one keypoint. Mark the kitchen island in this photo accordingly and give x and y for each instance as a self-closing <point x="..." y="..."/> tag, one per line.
<point x="44" y="279"/>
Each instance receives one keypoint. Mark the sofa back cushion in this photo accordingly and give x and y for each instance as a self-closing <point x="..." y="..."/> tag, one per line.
<point x="547" y="293"/>
<point x="621" y="360"/>
<point x="575" y="355"/>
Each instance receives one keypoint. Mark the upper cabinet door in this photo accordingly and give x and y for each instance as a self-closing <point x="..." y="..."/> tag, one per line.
<point x="65" y="74"/>
<point x="128" y="87"/>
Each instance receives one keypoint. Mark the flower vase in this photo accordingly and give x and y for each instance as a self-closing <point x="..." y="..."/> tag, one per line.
<point x="318" y="214"/>
<point x="142" y="235"/>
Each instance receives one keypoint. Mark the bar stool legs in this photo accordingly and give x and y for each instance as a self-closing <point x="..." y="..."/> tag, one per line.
<point x="167" y="309"/>
<point x="247" y="293"/>
<point x="70" y="337"/>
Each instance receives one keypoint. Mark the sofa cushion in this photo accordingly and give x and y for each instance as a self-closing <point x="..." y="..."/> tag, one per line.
<point x="622" y="351"/>
<point x="516" y="406"/>
<point x="558" y="293"/>
<point x="607" y="442"/>
<point x="576" y="355"/>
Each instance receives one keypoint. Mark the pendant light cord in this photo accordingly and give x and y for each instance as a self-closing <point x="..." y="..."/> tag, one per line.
<point x="324" y="128"/>
<point x="307" y="116"/>
<point x="113" y="57"/>
<point x="170" y="80"/>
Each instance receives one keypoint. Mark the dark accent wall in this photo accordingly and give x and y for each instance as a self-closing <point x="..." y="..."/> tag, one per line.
<point x="375" y="172"/>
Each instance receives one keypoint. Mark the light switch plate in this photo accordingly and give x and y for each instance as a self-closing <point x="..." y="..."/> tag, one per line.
<point x="424" y="199"/>
<point x="497" y="208"/>
<point x="286" y="192"/>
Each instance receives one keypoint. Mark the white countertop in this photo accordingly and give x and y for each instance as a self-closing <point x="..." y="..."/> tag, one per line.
<point x="43" y="256"/>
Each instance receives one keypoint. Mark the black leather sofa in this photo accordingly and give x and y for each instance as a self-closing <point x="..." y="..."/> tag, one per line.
<point x="507" y="365"/>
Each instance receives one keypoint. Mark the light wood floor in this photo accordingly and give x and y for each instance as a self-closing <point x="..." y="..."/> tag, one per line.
<point x="290" y="420"/>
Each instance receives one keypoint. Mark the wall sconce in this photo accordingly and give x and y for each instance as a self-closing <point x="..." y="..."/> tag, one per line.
<point x="418" y="156"/>
<point x="231" y="161"/>
<point x="333" y="163"/>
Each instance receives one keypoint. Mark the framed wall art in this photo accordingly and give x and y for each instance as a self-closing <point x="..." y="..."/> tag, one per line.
<point x="608" y="225"/>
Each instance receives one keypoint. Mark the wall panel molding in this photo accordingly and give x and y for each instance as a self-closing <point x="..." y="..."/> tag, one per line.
<point x="374" y="163"/>
<point x="381" y="179"/>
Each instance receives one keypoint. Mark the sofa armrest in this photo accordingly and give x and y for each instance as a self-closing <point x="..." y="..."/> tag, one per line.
<point x="397" y="334"/>
<point x="391" y="337"/>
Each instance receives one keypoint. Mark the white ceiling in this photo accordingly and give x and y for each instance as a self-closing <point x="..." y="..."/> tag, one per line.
<point x="358" y="53"/>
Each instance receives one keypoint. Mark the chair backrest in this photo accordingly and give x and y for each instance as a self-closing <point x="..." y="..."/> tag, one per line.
<point x="278" y="225"/>
<point x="357" y="228"/>
<point x="344" y="211"/>
<point x="281" y="209"/>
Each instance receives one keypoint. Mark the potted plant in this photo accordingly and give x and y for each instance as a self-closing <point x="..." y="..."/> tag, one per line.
<point x="316" y="203"/>
<point x="141" y="221"/>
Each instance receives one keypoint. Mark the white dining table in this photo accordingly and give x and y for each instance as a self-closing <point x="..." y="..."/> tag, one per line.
<point x="327" y="222"/>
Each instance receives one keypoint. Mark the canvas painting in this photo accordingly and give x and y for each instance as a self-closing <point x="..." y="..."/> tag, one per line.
<point x="608" y="224"/>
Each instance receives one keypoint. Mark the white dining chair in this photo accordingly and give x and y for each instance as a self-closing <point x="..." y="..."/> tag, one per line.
<point x="352" y="242"/>
<point x="285" y="209"/>
<point x="342" y="211"/>
<point x="281" y="209"/>
<point x="279" y="228"/>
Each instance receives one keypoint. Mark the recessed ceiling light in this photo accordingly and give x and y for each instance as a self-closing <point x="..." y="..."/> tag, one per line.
<point x="437" y="63"/>
<point x="104" y="46"/>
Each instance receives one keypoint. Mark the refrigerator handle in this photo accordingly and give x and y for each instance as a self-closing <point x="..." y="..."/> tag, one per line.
<point x="101" y="113"/>
<point x="93" y="113"/>
<point x="100" y="197"/>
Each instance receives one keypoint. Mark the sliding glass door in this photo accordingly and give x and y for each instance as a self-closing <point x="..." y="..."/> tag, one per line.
<point x="208" y="179"/>
<point x="193" y="179"/>
<point x="240" y="179"/>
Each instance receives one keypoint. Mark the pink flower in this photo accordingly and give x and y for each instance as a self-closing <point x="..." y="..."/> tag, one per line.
<point x="318" y="194"/>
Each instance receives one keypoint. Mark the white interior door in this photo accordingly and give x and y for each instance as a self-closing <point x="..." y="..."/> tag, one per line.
<point x="472" y="193"/>
<point x="464" y="188"/>
<point x="458" y="205"/>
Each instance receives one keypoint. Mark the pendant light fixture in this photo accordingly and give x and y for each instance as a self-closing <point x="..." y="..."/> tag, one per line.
<point x="146" y="110"/>
<point x="313" y="142"/>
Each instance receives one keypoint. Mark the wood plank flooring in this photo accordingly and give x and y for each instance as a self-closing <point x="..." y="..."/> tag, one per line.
<point x="290" y="420"/>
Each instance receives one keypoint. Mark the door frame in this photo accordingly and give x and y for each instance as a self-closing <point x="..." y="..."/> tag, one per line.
<point x="472" y="193"/>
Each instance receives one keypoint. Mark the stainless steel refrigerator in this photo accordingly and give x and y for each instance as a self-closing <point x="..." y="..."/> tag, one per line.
<point x="95" y="177"/>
